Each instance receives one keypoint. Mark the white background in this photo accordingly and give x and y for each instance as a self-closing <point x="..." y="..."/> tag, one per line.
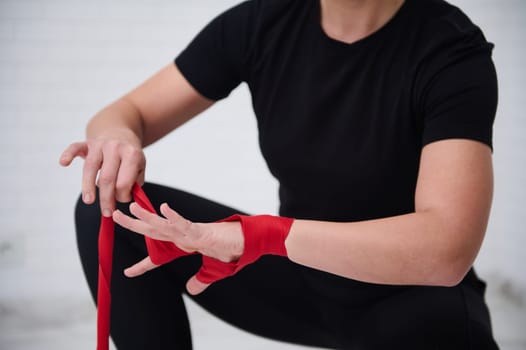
<point x="61" y="61"/>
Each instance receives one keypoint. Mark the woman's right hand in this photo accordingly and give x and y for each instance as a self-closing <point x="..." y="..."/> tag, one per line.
<point x="113" y="164"/>
<point x="116" y="135"/>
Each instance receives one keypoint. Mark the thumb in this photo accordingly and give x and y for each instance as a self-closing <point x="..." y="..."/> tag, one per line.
<point x="194" y="286"/>
<point x="141" y="267"/>
<point x="211" y="271"/>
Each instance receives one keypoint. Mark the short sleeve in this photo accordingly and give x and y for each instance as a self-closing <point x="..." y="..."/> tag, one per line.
<point x="459" y="98"/>
<point x="213" y="62"/>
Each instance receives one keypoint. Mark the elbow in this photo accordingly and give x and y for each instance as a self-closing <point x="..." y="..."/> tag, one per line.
<point x="449" y="277"/>
<point x="451" y="252"/>
<point x="447" y="261"/>
<point x="451" y="268"/>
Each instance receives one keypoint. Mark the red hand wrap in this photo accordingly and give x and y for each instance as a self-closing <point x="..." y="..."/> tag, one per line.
<point x="160" y="252"/>
<point x="103" y="290"/>
<point x="264" y="234"/>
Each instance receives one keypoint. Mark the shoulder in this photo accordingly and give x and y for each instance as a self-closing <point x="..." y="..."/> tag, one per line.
<point x="442" y="27"/>
<point x="440" y="13"/>
<point x="263" y="9"/>
<point x="254" y="19"/>
<point x="445" y="43"/>
<point x="258" y="24"/>
<point x="267" y="14"/>
<point x="455" y="83"/>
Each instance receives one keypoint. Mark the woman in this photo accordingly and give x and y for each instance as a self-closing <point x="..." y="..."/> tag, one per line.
<point x="376" y="118"/>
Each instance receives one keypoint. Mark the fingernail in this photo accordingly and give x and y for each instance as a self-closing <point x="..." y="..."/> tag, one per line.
<point x="87" y="197"/>
<point x="106" y="213"/>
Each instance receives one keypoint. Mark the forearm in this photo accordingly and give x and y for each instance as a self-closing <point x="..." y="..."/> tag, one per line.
<point x="418" y="248"/>
<point x="152" y="110"/>
<point x="435" y="245"/>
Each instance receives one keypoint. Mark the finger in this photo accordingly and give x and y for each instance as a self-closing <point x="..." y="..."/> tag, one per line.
<point x="159" y="226"/>
<point x="106" y="182"/>
<point x="147" y="216"/>
<point x="184" y="232"/>
<point x="174" y="218"/>
<point x="140" y="268"/>
<point x="130" y="172"/>
<point x="194" y="286"/>
<point x="77" y="149"/>
<point x="136" y="225"/>
<point x="89" y="175"/>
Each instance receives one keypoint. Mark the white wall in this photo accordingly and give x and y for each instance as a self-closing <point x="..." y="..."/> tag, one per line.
<point x="61" y="61"/>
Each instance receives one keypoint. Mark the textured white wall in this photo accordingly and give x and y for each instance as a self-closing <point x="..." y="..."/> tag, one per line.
<point x="61" y="61"/>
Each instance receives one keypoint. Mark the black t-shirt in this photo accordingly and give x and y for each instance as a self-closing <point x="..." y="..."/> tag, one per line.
<point x="342" y="126"/>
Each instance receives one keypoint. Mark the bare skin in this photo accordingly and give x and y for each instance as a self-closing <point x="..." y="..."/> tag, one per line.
<point x="351" y="20"/>
<point x="116" y="135"/>
<point x="435" y="245"/>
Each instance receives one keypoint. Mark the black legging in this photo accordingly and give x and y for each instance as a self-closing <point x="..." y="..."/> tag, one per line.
<point x="274" y="297"/>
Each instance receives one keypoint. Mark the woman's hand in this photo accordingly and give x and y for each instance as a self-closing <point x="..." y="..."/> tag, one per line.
<point x="117" y="133"/>
<point x="118" y="161"/>
<point x="223" y="241"/>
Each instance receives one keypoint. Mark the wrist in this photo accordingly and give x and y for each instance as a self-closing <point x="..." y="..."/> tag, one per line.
<point x="263" y="234"/>
<point x="224" y="241"/>
<point x="118" y="121"/>
<point x="236" y="243"/>
<point x="122" y="134"/>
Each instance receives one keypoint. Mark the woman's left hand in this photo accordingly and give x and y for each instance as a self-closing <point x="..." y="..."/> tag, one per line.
<point x="223" y="241"/>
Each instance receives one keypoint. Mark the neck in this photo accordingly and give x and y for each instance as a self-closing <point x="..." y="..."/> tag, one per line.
<point x="352" y="20"/>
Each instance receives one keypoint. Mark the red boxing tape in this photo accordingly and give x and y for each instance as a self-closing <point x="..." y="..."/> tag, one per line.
<point x="264" y="234"/>
<point x="160" y="252"/>
<point x="106" y="235"/>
